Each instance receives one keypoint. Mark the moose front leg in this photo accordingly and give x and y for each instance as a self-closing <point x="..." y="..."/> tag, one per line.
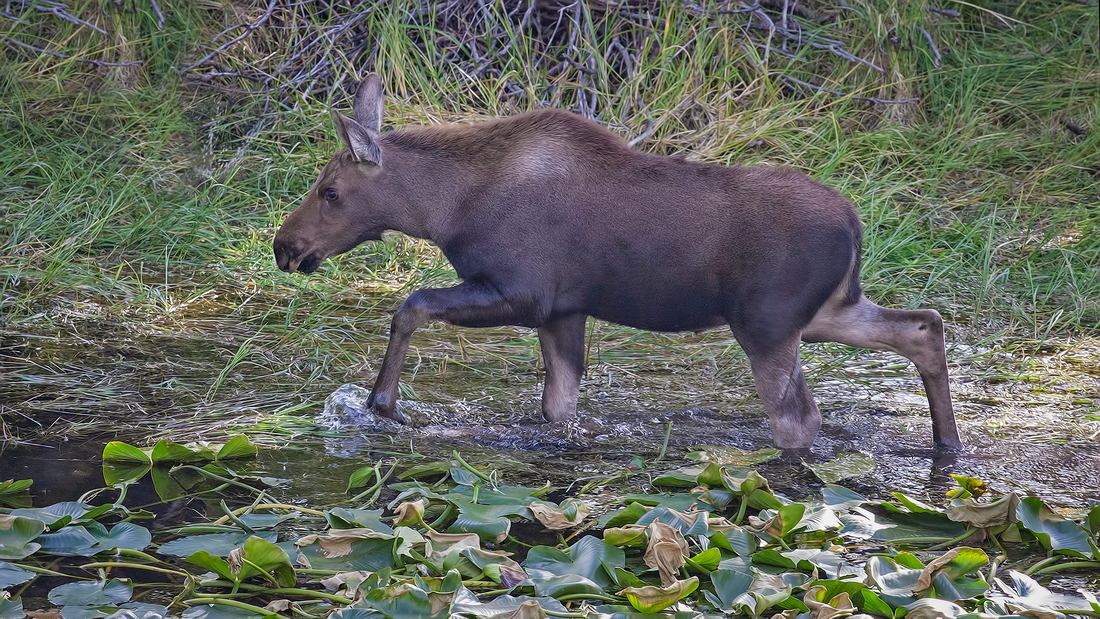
<point x="470" y="304"/>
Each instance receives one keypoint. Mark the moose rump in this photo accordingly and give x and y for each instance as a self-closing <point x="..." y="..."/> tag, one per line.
<point x="548" y="218"/>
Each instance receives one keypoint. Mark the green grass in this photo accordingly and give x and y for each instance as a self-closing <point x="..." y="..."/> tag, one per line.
<point x="977" y="200"/>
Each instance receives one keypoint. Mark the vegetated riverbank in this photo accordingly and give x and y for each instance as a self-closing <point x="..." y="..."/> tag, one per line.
<point x="142" y="187"/>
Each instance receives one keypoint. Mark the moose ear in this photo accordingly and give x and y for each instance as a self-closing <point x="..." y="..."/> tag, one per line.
<point x="362" y="142"/>
<point x="369" y="104"/>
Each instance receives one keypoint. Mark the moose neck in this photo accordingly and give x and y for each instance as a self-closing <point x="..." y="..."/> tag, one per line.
<point x="429" y="184"/>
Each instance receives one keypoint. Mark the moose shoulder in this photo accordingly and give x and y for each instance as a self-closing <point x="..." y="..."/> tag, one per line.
<point x="548" y="218"/>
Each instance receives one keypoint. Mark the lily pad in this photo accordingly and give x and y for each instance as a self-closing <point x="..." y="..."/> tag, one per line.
<point x="17" y="534"/>
<point x="9" y="608"/>
<point x="590" y="558"/>
<point x="92" y="593"/>
<point x="651" y="599"/>
<point x="843" y="466"/>
<point x="217" y="544"/>
<point x="11" y="575"/>
<point x="1053" y="531"/>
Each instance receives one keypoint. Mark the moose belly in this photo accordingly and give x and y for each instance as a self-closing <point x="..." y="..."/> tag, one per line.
<point x="654" y="305"/>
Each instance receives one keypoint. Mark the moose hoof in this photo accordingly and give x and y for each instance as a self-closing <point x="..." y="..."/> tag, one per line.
<point x="390" y="409"/>
<point x="384" y="405"/>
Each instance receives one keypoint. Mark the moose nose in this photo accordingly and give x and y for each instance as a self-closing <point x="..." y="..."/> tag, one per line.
<point x="285" y="255"/>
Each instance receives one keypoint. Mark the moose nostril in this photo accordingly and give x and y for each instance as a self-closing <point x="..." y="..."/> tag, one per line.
<point x="284" y="254"/>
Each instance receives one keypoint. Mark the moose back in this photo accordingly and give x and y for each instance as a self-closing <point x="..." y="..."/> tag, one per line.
<point x="548" y="218"/>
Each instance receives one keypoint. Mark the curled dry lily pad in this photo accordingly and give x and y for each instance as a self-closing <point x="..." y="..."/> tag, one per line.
<point x="998" y="513"/>
<point x="651" y="599"/>
<point x="824" y="606"/>
<point x="780" y="523"/>
<point x="409" y="513"/>
<point x="570" y="513"/>
<point x="666" y="551"/>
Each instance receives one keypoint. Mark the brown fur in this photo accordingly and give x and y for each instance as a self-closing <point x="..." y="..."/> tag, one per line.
<point x="548" y="218"/>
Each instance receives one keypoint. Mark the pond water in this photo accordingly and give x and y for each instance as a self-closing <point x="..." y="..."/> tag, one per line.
<point x="78" y="374"/>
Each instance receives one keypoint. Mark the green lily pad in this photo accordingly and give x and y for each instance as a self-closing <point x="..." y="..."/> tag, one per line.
<point x="217" y="544"/>
<point x="255" y="555"/>
<point x="708" y="474"/>
<point x="14" y="492"/>
<point x="626" y="515"/>
<point x="92" y="593"/>
<point x="139" y="610"/>
<point x="843" y="466"/>
<point x="726" y="455"/>
<point x="897" y="584"/>
<point x="222" y="611"/>
<point x="504" y="606"/>
<point x="590" y="558"/>
<point x="17" y="534"/>
<point x="344" y="518"/>
<point x="839" y="498"/>
<point x="118" y="451"/>
<point x="932" y="608"/>
<point x="9" y="608"/>
<point x="728" y="586"/>
<point x="1030" y="598"/>
<point x="687" y="523"/>
<point x="11" y="575"/>
<point x="739" y="541"/>
<point x="1053" y="531"/>
<point x="237" y="447"/>
<point x="489" y="522"/>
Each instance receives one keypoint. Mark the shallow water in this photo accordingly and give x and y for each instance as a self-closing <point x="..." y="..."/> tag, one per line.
<point x="76" y="377"/>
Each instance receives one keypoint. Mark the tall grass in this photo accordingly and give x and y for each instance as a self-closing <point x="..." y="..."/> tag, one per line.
<point x="155" y="196"/>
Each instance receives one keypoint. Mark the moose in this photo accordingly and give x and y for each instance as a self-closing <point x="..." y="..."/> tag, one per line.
<point x="548" y="218"/>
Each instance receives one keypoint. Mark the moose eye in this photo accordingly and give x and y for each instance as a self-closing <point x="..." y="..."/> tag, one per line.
<point x="330" y="194"/>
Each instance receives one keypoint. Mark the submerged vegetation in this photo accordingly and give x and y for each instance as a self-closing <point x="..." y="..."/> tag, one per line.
<point x="711" y="536"/>
<point x="150" y="150"/>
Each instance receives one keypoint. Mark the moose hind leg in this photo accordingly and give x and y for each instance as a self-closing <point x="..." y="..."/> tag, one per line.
<point x="562" y="342"/>
<point x="915" y="334"/>
<point x="777" y="372"/>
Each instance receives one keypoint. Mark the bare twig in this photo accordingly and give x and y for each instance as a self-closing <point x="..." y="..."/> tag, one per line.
<point x="99" y="63"/>
<point x="57" y="9"/>
<point x="947" y="12"/>
<point x="641" y="137"/>
<point x="935" y="50"/>
<point x="160" y="16"/>
<point x="838" y="93"/>
<point x="247" y="31"/>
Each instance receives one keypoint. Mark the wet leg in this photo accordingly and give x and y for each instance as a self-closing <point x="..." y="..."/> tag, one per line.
<point x="562" y="342"/>
<point x="469" y="304"/>
<point x="782" y="387"/>
<point x="915" y="334"/>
